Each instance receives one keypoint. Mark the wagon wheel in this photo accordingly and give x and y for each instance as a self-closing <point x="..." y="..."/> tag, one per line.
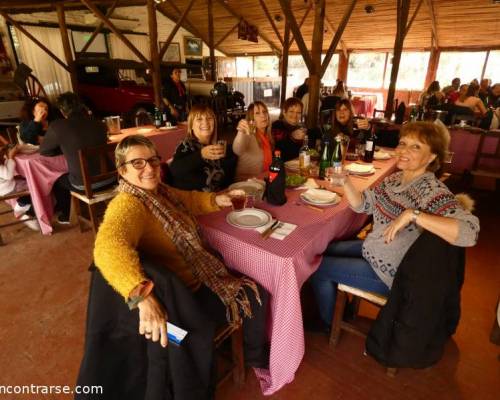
<point x="34" y="88"/>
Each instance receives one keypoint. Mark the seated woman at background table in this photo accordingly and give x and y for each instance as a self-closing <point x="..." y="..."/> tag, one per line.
<point x="432" y="97"/>
<point x="343" y="119"/>
<point x="253" y="143"/>
<point x="403" y="205"/>
<point x="468" y="98"/>
<point x="35" y="117"/>
<point x="199" y="163"/>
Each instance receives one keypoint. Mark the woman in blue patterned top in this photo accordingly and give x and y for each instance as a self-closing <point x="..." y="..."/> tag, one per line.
<point x="403" y="205"/>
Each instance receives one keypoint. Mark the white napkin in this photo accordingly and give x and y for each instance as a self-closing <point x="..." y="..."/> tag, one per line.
<point x="359" y="168"/>
<point x="319" y="195"/>
<point x="279" y="233"/>
<point x="381" y="155"/>
<point x="309" y="184"/>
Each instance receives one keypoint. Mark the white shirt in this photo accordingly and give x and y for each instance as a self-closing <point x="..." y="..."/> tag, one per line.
<point x="7" y="181"/>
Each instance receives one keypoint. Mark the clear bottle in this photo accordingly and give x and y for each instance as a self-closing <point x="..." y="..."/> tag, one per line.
<point x="370" y="146"/>
<point x="157" y="118"/>
<point x="276" y="165"/>
<point x="324" y="161"/>
<point x="164" y="115"/>
<point x="336" y="160"/>
<point x="305" y="158"/>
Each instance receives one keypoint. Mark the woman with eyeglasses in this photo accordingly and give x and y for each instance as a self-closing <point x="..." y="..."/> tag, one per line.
<point x="150" y="219"/>
<point x="201" y="162"/>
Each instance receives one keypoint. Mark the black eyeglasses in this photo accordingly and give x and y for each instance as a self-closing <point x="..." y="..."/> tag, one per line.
<point x="140" y="163"/>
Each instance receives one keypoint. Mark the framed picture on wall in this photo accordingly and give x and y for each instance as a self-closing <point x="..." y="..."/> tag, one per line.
<point x="193" y="46"/>
<point x="173" y="53"/>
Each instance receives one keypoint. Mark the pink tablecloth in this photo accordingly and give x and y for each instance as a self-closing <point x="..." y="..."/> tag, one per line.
<point x="40" y="173"/>
<point x="464" y="144"/>
<point x="165" y="140"/>
<point x="281" y="267"/>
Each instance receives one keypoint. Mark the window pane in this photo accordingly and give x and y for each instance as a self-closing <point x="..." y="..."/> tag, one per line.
<point x="330" y="77"/>
<point x="266" y="66"/>
<point x="412" y="70"/>
<point x="493" y="67"/>
<point x="297" y="73"/>
<point x="244" y="67"/>
<point x="366" y="70"/>
<point x="466" y="66"/>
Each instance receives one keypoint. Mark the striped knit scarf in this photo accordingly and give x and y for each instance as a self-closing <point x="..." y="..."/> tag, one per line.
<point x="181" y="227"/>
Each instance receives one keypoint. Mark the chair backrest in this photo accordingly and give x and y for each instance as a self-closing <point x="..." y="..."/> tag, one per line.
<point x="488" y="150"/>
<point x="97" y="165"/>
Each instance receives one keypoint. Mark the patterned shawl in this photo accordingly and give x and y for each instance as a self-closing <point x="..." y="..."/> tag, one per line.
<point x="181" y="227"/>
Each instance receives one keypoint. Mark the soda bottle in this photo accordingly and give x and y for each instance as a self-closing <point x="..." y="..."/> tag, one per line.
<point x="304" y="158"/>
<point x="370" y="146"/>
<point x="324" y="162"/>
<point x="337" y="154"/>
<point x="275" y="167"/>
<point x="157" y="117"/>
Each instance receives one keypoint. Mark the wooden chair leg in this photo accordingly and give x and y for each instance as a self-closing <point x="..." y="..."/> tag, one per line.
<point x="355" y="305"/>
<point x="391" y="372"/>
<point x="238" y="358"/>
<point x="93" y="218"/>
<point x="75" y="205"/>
<point x="337" y="318"/>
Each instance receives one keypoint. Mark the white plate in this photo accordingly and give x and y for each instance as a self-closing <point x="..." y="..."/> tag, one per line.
<point x="360" y="169"/>
<point x="250" y="187"/>
<point x="166" y="128"/>
<point x="248" y="218"/>
<point x="319" y="196"/>
<point x="28" y="148"/>
<point x="381" y="155"/>
<point x="314" y="203"/>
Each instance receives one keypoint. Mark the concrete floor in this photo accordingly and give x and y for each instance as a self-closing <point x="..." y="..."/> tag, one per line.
<point x="43" y="295"/>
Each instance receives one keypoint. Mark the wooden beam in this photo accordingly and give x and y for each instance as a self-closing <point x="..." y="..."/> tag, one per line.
<point x="175" y="29"/>
<point x="433" y="21"/>
<point x="285" y="7"/>
<point x="432" y="66"/>
<point x="211" y="39"/>
<point x="333" y="29"/>
<point x="239" y="16"/>
<point x="483" y="71"/>
<point x="343" y="67"/>
<point x="302" y="22"/>
<point x="336" y="38"/>
<point x="98" y="28"/>
<point x="284" y="64"/>
<point x="34" y="40"/>
<point x="153" y="50"/>
<point x="66" y="46"/>
<point x="402" y="18"/>
<point x="316" y="74"/>
<point x="417" y="8"/>
<point x="227" y="34"/>
<point x="115" y="30"/>
<point x="271" y="21"/>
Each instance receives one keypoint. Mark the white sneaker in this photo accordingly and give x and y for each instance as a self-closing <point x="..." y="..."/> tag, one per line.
<point x="32" y="224"/>
<point x="20" y="210"/>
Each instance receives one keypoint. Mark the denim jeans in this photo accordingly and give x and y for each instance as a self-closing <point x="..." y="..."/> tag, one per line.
<point x="343" y="263"/>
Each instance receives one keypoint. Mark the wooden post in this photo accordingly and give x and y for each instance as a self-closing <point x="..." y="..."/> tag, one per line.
<point x="403" y="11"/>
<point x="155" y="57"/>
<point x="432" y="66"/>
<point x="98" y="28"/>
<point x="213" y="75"/>
<point x="271" y="21"/>
<point x="284" y="63"/>
<point x="66" y="46"/>
<point x="301" y="22"/>
<point x="315" y="73"/>
<point x="33" y="39"/>
<point x="343" y="66"/>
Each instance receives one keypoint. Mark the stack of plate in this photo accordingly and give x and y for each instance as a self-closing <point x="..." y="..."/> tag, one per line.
<point x="360" y="169"/>
<point x="319" y="197"/>
<point x="248" y="218"/>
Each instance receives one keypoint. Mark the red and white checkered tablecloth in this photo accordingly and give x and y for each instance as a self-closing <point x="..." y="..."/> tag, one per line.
<point x="281" y="267"/>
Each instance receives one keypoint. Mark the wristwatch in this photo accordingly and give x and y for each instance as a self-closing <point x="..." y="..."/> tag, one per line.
<point x="414" y="216"/>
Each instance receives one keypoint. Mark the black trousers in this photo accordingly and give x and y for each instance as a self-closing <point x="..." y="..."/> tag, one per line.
<point x="61" y="189"/>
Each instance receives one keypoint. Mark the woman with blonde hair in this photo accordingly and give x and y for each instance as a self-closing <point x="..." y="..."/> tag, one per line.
<point x="253" y="143"/>
<point x="199" y="162"/>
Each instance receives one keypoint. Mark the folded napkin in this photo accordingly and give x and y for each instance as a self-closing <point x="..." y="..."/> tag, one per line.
<point x="309" y="184"/>
<point x="279" y="233"/>
<point x="319" y="195"/>
<point x="359" y="168"/>
<point x="381" y="155"/>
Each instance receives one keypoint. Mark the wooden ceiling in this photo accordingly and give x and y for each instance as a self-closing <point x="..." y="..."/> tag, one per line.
<point x="458" y="23"/>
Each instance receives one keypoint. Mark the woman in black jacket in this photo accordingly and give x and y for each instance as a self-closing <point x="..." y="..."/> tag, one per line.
<point x="200" y="163"/>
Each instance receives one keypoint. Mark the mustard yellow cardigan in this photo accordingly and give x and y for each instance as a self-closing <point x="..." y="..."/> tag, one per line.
<point x="129" y="228"/>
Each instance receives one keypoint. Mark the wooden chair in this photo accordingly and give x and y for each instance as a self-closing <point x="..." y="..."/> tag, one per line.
<point x="235" y="333"/>
<point x="10" y="196"/>
<point x="338" y="324"/>
<point x="103" y="156"/>
<point x="484" y="153"/>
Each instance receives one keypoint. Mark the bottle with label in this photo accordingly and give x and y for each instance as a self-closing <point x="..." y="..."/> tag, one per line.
<point x="370" y="146"/>
<point x="304" y="158"/>
<point x="324" y="161"/>
<point x="157" y="118"/>
<point x="337" y="154"/>
<point x="164" y="115"/>
<point x="413" y="114"/>
<point x="275" y="167"/>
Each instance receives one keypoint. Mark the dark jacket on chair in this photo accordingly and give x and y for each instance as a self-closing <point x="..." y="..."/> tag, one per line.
<point x="423" y="308"/>
<point x="130" y="367"/>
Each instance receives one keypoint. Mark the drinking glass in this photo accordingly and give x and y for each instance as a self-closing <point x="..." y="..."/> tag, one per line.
<point x="238" y="201"/>
<point x="222" y="143"/>
<point x="251" y="127"/>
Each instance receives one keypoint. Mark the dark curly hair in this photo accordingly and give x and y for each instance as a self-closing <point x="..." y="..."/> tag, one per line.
<point x="29" y="106"/>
